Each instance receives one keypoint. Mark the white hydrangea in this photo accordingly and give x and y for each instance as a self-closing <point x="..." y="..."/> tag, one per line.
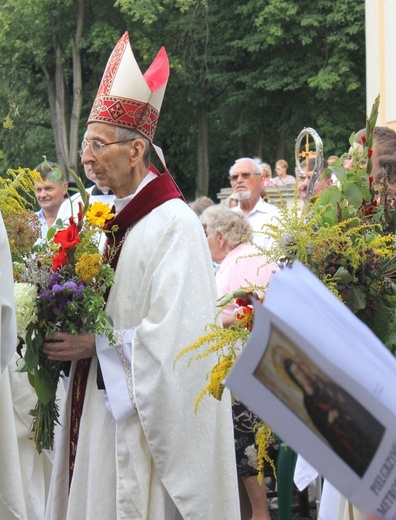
<point x="26" y="305"/>
<point x="251" y="453"/>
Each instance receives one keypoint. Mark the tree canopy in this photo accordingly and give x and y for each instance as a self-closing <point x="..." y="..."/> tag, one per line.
<point x="245" y="78"/>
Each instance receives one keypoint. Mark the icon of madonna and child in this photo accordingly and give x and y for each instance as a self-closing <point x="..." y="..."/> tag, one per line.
<point x="332" y="413"/>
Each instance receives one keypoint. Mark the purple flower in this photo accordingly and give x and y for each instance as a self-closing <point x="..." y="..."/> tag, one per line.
<point x="53" y="279"/>
<point x="57" y="288"/>
<point x="70" y="285"/>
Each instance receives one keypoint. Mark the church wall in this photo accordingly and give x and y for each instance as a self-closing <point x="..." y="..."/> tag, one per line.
<point x="381" y="58"/>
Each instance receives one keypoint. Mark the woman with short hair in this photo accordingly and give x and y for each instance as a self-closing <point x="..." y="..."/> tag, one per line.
<point x="241" y="266"/>
<point x="282" y="178"/>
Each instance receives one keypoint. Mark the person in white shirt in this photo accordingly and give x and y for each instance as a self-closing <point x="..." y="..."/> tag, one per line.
<point x="50" y="196"/>
<point x="246" y="179"/>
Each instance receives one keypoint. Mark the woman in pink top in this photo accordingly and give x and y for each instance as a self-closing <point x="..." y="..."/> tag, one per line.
<point x="241" y="266"/>
<point x="241" y="263"/>
<point x="267" y="174"/>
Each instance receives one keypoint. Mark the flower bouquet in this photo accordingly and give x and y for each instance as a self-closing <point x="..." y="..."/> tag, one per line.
<point x="61" y="287"/>
<point x="344" y="236"/>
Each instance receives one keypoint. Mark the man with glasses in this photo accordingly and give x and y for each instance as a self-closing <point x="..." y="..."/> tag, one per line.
<point x="246" y="179"/>
<point x="132" y="446"/>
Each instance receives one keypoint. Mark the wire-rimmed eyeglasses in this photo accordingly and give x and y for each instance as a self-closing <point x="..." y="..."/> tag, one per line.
<point x="97" y="146"/>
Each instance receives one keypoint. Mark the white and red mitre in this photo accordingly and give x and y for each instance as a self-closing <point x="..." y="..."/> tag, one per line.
<point x="128" y="98"/>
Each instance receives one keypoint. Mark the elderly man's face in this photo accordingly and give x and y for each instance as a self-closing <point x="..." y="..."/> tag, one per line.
<point x="245" y="182"/>
<point x="111" y="168"/>
<point x="92" y="177"/>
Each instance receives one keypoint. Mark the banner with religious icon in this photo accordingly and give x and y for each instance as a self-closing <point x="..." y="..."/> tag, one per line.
<point x="325" y="384"/>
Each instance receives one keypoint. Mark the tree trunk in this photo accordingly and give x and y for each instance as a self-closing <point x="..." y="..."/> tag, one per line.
<point x="202" y="186"/>
<point x="65" y="128"/>
<point x="57" y="99"/>
<point x="260" y="146"/>
<point x="281" y="147"/>
<point x="74" y="140"/>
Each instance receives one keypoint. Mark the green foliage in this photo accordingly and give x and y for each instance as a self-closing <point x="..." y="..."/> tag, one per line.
<point x="261" y="70"/>
<point x="343" y="238"/>
<point x="145" y="11"/>
<point x="17" y="190"/>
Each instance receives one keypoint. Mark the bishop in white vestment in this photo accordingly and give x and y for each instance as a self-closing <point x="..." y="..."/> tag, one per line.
<point x="142" y="453"/>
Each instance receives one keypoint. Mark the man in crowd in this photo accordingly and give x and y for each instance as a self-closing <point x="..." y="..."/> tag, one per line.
<point x="50" y="196"/>
<point x="96" y="193"/>
<point x="323" y="182"/>
<point x="136" y="449"/>
<point x="246" y="179"/>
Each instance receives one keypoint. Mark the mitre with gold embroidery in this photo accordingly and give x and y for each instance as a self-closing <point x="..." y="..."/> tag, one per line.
<point x="128" y="98"/>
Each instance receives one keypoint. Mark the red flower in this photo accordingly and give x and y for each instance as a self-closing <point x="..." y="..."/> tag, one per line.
<point x="59" y="260"/>
<point x="369" y="153"/>
<point x="241" y="302"/>
<point x="244" y="301"/>
<point x="363" y="138"/>
<point x="80" y="216"/>
<point x="243" y="312"/>
<point x="369" y="209"/>
<point x="68" y="237"/>
<point x="247" y="310"/>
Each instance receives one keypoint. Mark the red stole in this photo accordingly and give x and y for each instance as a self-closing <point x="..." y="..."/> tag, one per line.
<point x="155" y="193"/>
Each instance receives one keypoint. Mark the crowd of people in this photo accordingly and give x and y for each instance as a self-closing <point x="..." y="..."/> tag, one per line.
<point x="129" y="444"/>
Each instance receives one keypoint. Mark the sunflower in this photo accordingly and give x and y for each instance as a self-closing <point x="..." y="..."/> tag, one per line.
<point x="98" y="213"/>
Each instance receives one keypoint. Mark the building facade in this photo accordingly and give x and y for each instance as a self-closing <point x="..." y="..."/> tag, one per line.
<point x="381" y="59"/>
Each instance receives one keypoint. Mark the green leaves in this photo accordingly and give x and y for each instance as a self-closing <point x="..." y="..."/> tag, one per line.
<point x="34" y="341"/>
<point x="250" y="63"/>
<point x="39" y="378"/>
<point x="382" y="322"/>
<point x="43" y="385"/>
<point x="353" y="194"/>
<point x="8" y="123"/>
